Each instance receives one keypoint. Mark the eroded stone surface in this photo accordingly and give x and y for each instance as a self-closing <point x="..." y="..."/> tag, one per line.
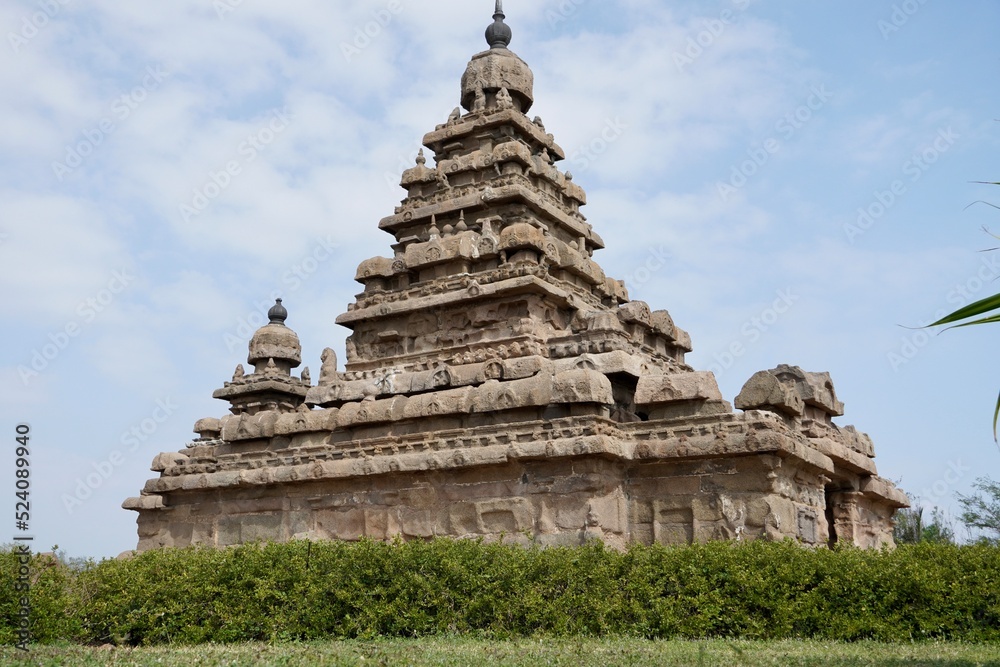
<point x="497" y="383"/>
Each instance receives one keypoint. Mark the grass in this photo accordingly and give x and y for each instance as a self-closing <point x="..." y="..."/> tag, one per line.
<point x="460" y="652"/>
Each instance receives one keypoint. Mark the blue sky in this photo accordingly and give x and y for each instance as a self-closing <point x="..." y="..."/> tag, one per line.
<point x="791" y="180"/>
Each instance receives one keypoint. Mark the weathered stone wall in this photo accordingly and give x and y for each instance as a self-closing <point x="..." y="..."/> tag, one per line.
<point x="722" y="499"/>
<point x="562" y="501"/>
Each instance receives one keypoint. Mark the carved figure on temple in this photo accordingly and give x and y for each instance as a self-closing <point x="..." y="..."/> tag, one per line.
<point x="504" y="100"/>
<point x="442" y="178"/>
<point x="479" y="102"/>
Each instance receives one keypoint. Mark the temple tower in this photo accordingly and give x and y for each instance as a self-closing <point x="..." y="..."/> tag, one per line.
<point x="498" y="384"/>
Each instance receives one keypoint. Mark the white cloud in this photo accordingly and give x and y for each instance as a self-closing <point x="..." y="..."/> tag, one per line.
<point x="60" y="252"/>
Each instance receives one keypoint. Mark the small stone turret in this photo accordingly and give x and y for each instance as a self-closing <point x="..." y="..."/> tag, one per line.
<point x="275" y="342"/>
<point x="274" y="351"/>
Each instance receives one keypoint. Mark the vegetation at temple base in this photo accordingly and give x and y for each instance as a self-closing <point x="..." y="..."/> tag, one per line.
<point x="302" y="591"/>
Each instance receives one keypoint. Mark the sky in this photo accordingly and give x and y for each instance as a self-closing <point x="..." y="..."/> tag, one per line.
<point x="795" y="181"/>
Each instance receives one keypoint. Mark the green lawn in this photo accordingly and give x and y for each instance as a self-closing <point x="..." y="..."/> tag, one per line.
<point x="462" y="652"/>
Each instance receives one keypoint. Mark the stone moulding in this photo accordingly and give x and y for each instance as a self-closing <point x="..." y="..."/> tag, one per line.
<point x="517" y="193"/>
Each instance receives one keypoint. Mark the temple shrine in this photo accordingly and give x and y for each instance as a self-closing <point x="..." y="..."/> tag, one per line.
<point x="498" y="384"/>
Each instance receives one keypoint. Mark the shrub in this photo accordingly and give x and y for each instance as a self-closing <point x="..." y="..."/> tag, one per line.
<point x="306" y="591"/>
<point x="53" y="615"/>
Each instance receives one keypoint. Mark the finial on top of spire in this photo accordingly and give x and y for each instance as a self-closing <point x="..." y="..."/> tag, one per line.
<point x="498" y="35"/>
<point x="277" y="314"/>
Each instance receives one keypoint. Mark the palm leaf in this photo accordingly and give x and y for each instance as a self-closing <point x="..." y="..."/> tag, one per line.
<point x="980" y="307"/>
<point x="973" y="309"/>
<point x="986" y="320"/>
<point x="996" y="413"/>
<point x="980" y="201"/>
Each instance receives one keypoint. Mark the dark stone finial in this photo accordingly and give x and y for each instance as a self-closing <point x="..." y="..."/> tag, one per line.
<point x="498" y="35"/>
<point x="277" y="314"/>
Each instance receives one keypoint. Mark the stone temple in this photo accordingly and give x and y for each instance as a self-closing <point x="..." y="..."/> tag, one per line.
<point x="498" y="384"/>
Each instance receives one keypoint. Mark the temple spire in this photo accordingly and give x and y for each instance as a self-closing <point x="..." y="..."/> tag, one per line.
<point x="498" y="35"/>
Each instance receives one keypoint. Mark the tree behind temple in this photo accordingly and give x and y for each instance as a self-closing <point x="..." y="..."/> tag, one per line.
<point x="911" y="528"/>
<point x="981" y="511"/>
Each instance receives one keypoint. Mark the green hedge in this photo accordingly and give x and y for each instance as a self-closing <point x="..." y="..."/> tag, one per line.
<point x="292" y="591"/>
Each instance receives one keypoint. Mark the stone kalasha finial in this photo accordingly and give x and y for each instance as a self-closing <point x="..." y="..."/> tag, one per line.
<point x="498" y="35"/>
<point x="277" y="314"/>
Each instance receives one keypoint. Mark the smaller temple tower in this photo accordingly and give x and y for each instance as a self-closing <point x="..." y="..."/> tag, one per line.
<point x="274" y="353"/>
